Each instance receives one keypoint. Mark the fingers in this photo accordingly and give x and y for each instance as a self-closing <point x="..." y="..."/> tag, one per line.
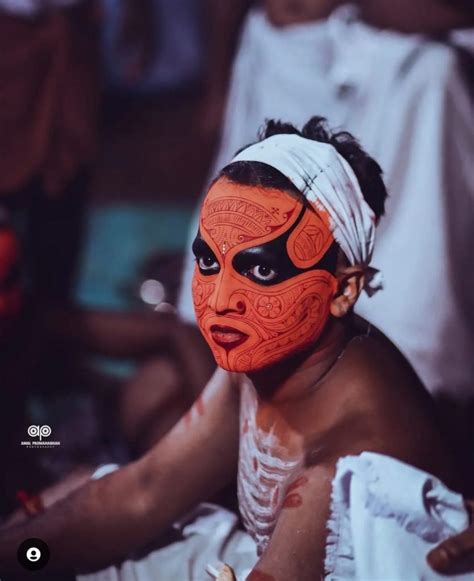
<point x="455" y="555"/>
<point x="223" y="573"/>
<point x="226" y="574"/>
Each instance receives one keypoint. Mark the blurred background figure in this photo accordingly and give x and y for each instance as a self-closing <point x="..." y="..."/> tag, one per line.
<point x="393" y="75"/>
<point x="97" y="103"/>
<point x="49" y="75"/>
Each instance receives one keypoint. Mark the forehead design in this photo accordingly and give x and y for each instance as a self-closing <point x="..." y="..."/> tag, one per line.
<point x="235" y="215"/>
<point x="244" y="216"/>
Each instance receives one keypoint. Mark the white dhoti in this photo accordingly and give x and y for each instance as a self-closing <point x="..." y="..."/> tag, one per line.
<point x="385" y="518"/>
<point x="208" y="536"/>
<point x="404" y="98"/>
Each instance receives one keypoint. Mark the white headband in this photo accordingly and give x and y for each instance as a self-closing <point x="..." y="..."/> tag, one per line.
<point x="328" y="182"/>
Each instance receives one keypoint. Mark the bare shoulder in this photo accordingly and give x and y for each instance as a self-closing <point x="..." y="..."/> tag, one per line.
<point x="381" y="406"/>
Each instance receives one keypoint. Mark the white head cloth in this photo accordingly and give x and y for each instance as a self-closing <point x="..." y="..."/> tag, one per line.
<point x="329" y="183"/>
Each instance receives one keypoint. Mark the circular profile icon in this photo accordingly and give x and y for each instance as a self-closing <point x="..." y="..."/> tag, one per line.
<point x="33" y="554"/>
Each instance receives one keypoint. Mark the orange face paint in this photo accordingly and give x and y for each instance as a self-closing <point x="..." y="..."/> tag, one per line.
<point x="258" y="289"/>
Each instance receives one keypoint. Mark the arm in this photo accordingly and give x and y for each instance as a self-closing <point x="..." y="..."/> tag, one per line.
<point x="223" y="26"/>
<point x="108" y="518"/>
<point x="223" y="23"/>
<point x="298" y="544"/>
<point x="113" y="333"/>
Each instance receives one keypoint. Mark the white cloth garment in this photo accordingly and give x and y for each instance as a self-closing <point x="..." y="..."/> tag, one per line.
<point x="405" y="99"/>
<point x="327" y="182"/>
<point x="207" y="536"/>
<point x="385" y="518"/>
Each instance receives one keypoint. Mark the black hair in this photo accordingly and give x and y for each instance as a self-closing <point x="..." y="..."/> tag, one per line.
<point x="366" y="169"/>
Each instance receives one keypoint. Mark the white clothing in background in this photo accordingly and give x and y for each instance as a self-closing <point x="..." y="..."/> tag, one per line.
<point x="33" y="7"/>
<point x="404" y="98"/>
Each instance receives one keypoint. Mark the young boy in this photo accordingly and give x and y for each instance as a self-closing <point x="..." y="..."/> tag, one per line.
<point x="283" y="250"/>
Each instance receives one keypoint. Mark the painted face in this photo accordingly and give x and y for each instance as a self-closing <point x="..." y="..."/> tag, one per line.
<point x="262" y="286"/>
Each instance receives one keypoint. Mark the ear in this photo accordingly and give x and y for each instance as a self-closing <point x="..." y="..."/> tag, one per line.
<point x="350" y="282"/>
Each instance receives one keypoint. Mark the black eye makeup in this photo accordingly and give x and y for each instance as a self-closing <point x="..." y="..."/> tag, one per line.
<point x="270" y="264"/>
<point x="205" y="258"/>
<point x="267" y="264"/>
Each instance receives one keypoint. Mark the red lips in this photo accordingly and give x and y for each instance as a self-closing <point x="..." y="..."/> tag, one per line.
<point x="227" y="337"/>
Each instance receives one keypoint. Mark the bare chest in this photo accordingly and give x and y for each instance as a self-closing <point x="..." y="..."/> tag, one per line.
<point x="266" y="474"/>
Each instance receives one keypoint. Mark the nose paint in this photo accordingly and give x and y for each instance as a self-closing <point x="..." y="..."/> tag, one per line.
<point x="249" y="320"/>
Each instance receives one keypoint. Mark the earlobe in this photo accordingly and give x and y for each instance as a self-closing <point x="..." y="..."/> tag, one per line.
<point x="350" y="284"/>
<point x="340" y="306"/>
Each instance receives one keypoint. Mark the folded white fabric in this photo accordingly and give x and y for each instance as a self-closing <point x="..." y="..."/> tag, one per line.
<point x="385" y="517"/>
<point x="328" y="182"/>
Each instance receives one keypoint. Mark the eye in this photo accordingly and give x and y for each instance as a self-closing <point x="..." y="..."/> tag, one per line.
<point x="208" y="264"/>
<point x="263" y="273"/>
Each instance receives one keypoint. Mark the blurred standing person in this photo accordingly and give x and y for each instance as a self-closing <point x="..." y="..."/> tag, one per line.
<point x="389" y="73"/>
<point x="49" y="78"/>
<point x="50" y="88"/>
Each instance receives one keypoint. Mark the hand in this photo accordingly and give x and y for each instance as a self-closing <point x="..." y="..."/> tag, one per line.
<point x="455" y="555"/>
<point x="225" y="573"/>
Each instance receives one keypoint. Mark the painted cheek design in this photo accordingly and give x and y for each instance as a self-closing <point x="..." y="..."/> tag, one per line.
<point x="277" y="320"/>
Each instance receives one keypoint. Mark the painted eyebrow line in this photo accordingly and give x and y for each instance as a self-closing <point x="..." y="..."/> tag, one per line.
<point x="256" y="252"/>
<point x="200" y="244"/>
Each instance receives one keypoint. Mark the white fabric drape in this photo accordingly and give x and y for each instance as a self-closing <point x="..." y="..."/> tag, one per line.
<point x="385" y="518"/>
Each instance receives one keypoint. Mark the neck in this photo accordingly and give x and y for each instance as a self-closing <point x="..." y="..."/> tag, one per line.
<point x="295" y="376"/>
